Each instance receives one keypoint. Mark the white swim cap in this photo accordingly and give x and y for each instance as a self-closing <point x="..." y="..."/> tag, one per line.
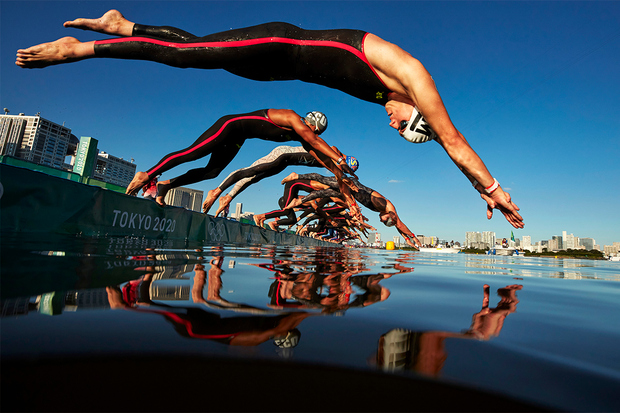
<point x="318" y="119"/>
<point x="417" y="130"/>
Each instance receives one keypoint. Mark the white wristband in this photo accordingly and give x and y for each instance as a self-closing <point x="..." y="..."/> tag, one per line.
<point x="492" y="188"/>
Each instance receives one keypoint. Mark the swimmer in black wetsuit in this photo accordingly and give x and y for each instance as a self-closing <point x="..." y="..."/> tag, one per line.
<point x="355" y="62"/>
<point x="224" y="139"/>
<point x="271" y="164"/>
<point x="291" y="191"/>
<point x="368" y="197"/>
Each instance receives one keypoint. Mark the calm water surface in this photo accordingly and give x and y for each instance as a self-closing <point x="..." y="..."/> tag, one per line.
<point x="539" y="330"/>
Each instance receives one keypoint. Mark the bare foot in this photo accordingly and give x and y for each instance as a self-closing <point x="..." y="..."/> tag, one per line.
<point x="162" y="189"/>
<point x="139" y="180"/>
<point x="112" y="22"/>
<point x="294" y="203"/>
<point x="211" y="197"/>
<point x="65" y="50"/>
<point x="259" y="220"/>
<point x="292" y="177"/>
<point x="273" y="225"/>
<point x="224" y="202"/>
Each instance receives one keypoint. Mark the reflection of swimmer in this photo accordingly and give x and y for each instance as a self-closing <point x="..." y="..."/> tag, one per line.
<point x="191" y="322"/>
<point x="355" y="62"/>
<point x="424" y="352"/>
<point x="224" y="139"/>
<point x="329" y="288"/>
<point x="489" y="321"/>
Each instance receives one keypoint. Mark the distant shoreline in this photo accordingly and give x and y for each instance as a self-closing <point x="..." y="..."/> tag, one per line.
<point x="574" y="254"/>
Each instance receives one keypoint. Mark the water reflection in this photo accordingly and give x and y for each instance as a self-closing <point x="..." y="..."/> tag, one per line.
<point x="189" y="295"/>
<point x="424" y="351"/>
<point x="371" y="310"/>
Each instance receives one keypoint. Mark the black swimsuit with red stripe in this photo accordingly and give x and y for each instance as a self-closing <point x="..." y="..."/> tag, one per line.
<point x="270" y="51"/>
<point x="223" y="141"/>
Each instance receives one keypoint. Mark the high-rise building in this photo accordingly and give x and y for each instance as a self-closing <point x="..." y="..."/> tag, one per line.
<point x="559" y="241"/>
<point x="34" y="139"/>
<point x="238" y="210"/>
<point x="569" y="241"/>
<point x="472" y="238"/>
<point x="184" y="197"/>
<point x="396" y="239"/>
<point x="588" y="243"/>
<point x="553" y="244"/>
<point x="114" y="170"/>
<point x="488" y="238"/>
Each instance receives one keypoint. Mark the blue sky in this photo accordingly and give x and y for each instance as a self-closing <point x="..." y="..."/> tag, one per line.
<point x="533" y="86"/>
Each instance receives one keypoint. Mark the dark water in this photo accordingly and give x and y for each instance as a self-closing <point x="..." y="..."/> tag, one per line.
<point x="536" y="330"/>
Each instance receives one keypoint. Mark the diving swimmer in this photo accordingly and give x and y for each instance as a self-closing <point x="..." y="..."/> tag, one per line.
<point x="226" y="136"/>
<point x="358" y="63"/>
<point x="269" y="165"/>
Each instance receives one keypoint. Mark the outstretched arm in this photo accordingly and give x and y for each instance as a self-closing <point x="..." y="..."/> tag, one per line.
<point x="289" y="119"/>
<point x="468" y="161"/>
<point x="409" y="236"/>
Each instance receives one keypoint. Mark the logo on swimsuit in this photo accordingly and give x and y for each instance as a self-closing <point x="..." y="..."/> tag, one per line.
<point x="216" y="231"/>
<point x="379" y="95"/>
<point x="306" y="161"/>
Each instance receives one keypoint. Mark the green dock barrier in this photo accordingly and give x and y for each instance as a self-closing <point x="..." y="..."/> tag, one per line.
<point x="34" y="202"/>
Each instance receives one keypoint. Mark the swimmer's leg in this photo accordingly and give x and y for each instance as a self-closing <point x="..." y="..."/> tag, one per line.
<point x="224" y="202"/>
<point x="115" y="24"/>
<point x="65" y="50"/>
<point x="112" y="22"/>
<point x="292" y="177"/>
<point x="259" y="220"/>
<point x="220" y="158"/>
<point x="162" y="189"/>
<point x="273" y="225"/>
<point x="216" y="138"/>
<point x="211" y="197"/>
<point x="136" y="184"/>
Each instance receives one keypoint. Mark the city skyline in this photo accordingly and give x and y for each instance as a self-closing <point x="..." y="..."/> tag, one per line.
<point x="533" y="96"/>
<point x="197" y="208"/>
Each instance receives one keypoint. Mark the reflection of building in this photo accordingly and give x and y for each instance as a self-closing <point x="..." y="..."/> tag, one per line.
<point x="34" y="139"/>
<point x="184" y="197"/>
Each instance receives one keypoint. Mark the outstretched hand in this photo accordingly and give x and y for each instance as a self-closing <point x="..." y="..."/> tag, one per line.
<point x="501" y="200"/>
<point x="415" y="243"/>
<point x="347" y="169"/>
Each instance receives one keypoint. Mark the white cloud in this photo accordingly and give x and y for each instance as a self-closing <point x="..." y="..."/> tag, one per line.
<point x="394" y="181"/>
